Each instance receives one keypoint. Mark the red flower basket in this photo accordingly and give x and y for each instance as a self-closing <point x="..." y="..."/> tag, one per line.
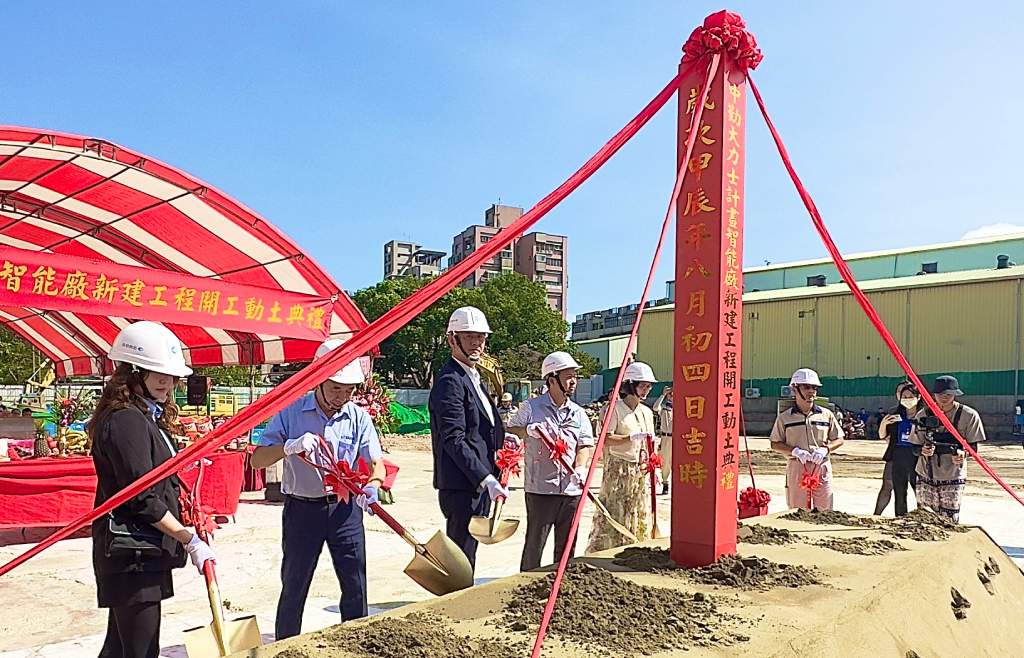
<point x="753" y="502"/>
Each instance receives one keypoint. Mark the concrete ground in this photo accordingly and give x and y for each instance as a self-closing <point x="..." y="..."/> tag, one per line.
<point x="48" y="605"/>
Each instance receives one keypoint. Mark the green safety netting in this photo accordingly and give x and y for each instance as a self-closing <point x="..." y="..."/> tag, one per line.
<point x="414" y="420"/>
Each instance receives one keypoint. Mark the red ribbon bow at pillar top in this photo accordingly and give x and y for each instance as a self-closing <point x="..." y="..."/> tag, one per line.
<point x="725" y="31"/>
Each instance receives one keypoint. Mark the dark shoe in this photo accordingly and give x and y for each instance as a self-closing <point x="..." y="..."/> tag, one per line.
<point x="664" y="488"/>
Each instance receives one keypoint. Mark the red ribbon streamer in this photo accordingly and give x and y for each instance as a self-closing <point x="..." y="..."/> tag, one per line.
<point x="318" y="371"/>
<point x="847" y="277"/>
<point x="549" y="608"/>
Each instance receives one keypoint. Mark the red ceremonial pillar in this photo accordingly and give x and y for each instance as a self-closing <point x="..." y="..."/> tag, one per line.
<point x="708" y="292"/>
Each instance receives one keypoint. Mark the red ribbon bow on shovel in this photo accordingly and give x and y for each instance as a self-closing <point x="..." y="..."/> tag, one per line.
<point x="508" y="457"/>
<point x="810" y="481"/>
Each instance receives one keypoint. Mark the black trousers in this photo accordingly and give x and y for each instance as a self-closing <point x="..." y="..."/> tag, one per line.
<point x="904" y="472"/>
<point x="458" y="508"/>
<point x="306" y="527"/>
<point x="133" y="631"/>
<point x="544" y="512"/>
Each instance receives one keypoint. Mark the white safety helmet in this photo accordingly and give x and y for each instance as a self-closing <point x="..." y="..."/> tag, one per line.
<point x="805" y="376"/>
<point x="556" y="362"/>
<point x="150" y="346"/>
<point x="468" y="318"/>
<point x="638" y="371"/>
<point x="350" y="374"/>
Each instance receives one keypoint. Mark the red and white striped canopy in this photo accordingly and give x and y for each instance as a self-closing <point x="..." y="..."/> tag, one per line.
<point x="79" y="196"/>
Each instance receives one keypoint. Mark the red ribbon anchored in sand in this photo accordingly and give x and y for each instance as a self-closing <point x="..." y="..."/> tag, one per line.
<point x="318" y="371"/>
<point x="549" y="607"/>
<point x="847" y="277"/>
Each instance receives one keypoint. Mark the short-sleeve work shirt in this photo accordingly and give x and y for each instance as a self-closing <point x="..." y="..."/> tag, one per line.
<point x="808" y="431"/>
<point x="349" y="432"/>
<point x="543" y="476"/>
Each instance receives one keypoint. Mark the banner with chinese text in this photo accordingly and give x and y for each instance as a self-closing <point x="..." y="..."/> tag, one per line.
<point x="708" y="319"/>
<point x="55" y="282"/>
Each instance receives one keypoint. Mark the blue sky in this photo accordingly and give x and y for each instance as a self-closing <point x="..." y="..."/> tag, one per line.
<point x="348" y="124"/>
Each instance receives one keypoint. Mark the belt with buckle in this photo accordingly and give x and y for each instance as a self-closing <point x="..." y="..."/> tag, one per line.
<point x="330" y="499"/>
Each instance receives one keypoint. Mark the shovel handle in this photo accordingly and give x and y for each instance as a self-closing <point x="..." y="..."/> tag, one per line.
<point x="216" y="607"/>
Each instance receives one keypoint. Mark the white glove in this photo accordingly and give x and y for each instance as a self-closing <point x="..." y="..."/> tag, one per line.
<point x="307" y="443"/>
<point x="514" y="440"/>
<point x="494" y="488"/>
<point x="199" y="552"/>
<point x="639" y="437"/>
<point x="820" y="455"/>
<point x="368" y="497"/>
<point x="579" y="476"/>
<point x="801" y="454"/>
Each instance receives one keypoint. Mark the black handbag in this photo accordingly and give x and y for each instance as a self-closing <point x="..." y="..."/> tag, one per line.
<point x="127" y="539"/>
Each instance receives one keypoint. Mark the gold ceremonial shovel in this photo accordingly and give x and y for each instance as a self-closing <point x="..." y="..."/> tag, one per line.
<point x="222" y="637"/>
<point x="567" y="467"/>
<point x="493" y="529"/>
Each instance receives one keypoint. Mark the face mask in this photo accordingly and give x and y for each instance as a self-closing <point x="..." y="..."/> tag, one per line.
<point x="909" y="403"/>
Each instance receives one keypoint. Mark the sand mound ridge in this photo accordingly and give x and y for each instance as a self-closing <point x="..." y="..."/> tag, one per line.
<point x="612" y="616"/>
<point x="749" y="573"/>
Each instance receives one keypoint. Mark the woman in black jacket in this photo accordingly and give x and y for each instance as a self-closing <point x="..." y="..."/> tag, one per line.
<point x="899" y="457"/>
<point x="136" y="546"/>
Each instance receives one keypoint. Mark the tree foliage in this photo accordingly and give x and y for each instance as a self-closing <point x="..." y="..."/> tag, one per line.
<point x="18" y="358"/>
<point x="228" y="375"/>
<point x="525" y="329"/>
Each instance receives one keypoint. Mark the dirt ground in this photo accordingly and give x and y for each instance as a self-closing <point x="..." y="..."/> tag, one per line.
<point x="633" y="602"/>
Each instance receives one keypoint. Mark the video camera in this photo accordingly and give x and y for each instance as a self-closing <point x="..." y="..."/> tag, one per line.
<point x="935" y="435"/>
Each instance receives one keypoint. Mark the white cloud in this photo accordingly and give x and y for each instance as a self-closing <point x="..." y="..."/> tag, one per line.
<point x="1001" y="228"/>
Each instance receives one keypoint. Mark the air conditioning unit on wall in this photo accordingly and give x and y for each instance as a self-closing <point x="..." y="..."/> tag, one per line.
<point x="787" y="392"/>
<point x="752" y="393"/>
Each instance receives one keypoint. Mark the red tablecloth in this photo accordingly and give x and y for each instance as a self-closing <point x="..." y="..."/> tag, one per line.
<point x="48" y="492"/>
<point x="222" y="481"/>
<point x="45" y="492"/>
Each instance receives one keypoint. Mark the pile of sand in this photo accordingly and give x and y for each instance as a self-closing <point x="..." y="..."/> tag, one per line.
<point x="416" y="635"/>
<point x="860" y="545"/>
<point x="613" y="616"/>
<point x="762" y="534"/>
<point x="750" y="573"/>
<point x="920" y="524"/>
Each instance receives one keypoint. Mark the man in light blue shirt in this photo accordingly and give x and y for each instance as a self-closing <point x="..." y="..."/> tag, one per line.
<point x="312" y="514"/>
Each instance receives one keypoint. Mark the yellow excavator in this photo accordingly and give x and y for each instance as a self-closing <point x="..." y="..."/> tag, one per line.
<point x="490" y="369"/>
<point x="32" y="393"/>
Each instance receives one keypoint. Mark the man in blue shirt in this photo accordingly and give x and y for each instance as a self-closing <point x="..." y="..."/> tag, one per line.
<point x="552" y="494"/>
<point x="312" y="515"/>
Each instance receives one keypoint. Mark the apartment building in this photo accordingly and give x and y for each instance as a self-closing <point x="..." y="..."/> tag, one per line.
<point x="537" y="256"/>
<point x="402" y="259"/>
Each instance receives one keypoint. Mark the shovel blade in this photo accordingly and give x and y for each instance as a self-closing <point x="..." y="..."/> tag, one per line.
<point x="486" y="531"/>
<point x="451" y="557"/>
<point x="242" y="634"/>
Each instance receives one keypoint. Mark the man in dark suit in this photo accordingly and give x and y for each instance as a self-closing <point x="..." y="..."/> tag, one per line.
<point x="466" y="430"/>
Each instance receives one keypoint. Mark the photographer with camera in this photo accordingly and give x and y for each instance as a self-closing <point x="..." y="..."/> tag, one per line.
<point x="942" y="465"/>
